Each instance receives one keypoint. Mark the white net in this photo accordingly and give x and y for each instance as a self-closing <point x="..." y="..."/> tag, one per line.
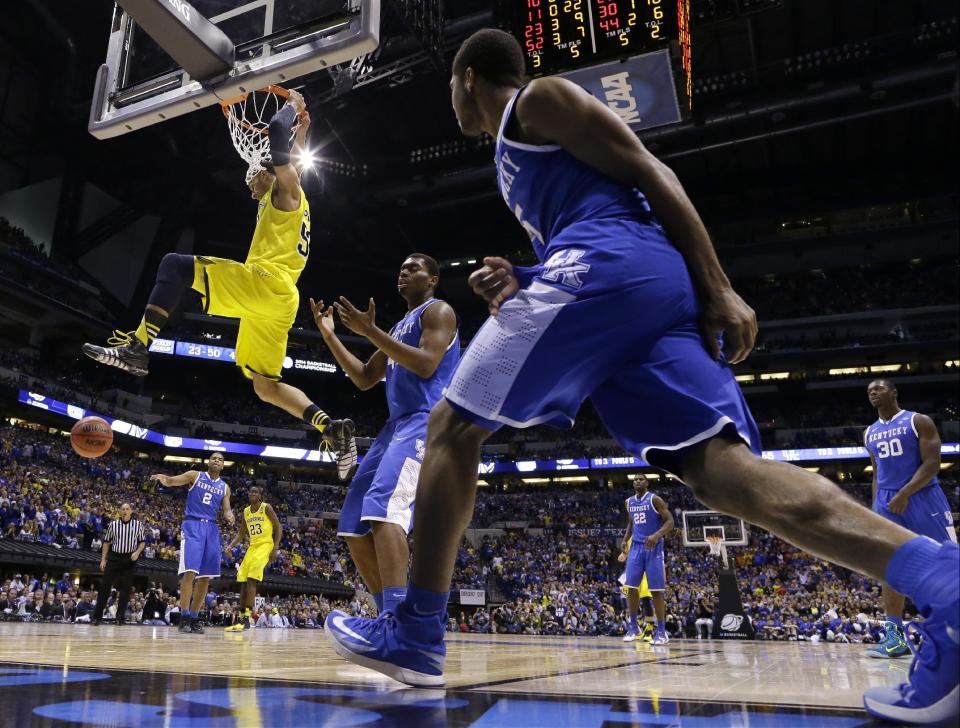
<point x="248" y="119"/>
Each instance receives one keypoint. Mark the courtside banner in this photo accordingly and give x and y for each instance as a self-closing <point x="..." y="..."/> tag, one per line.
<point x="473" y="597"/>
<point x="641" y="90"/>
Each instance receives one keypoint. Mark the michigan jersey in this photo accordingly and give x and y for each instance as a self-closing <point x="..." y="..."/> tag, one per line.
<point x="259" y="526"/>
<point x="204" y="497"/>
<point x="895" y="447"/>
<point x="281" y="239"/>
<point x="406" y="391"/>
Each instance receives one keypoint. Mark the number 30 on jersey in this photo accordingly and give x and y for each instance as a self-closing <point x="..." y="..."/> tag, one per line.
<point x="889" y="448"/>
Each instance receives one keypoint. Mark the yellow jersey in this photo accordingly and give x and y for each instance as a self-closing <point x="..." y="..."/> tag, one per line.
<point x="281" y="240"/>
<point x="258" y="525"/>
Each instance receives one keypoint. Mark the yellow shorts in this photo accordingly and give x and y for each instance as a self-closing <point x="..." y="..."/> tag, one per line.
<point x="254" y="562"/>
<point x="644" y="590"/>
<point x="263" y="298"/>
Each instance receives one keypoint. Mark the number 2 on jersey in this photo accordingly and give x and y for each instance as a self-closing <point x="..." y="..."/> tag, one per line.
<point x="303" y="247"/>
<point x="207" y="497"/>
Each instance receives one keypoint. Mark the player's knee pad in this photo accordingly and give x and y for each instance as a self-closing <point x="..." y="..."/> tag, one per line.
<point x="174" y="276"/>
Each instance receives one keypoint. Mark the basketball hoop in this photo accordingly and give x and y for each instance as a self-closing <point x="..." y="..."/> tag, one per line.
<point x="248" y="119"/>
<point x="717" y="548"/>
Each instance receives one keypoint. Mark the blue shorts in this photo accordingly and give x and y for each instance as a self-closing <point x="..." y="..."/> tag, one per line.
<point x="927" y="513"/>
<point x="200" y="548"/>
<point x="616" y="321"/>
<point x="385" y="485"/>
<point x="642" y="560"/>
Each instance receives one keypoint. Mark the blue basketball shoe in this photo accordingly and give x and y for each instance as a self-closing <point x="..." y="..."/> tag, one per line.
<point x="931" y="694"/>
<point x="411" y="652"/>
<point x="893" y="644"/>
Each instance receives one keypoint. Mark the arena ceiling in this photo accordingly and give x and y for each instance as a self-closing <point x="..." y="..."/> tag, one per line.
<point x="801" y="105"/>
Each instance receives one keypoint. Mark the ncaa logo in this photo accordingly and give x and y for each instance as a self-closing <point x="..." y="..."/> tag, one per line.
<point x="731" y="622"/>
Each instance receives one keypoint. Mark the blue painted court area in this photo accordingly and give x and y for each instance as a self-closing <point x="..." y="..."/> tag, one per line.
<point x="48" y="696"/>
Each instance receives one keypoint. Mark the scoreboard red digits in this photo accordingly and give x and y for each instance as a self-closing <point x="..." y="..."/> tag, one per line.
<point x="564" y="34"/>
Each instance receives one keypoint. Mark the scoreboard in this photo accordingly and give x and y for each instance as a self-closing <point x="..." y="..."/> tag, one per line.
<point x="559" y="35"/>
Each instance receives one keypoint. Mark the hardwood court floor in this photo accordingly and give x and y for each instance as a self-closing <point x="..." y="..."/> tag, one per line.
<point x="145" y="676"/>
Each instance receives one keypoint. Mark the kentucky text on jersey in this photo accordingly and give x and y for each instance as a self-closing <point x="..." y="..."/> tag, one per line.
<point x="204" y="497"/>
<point x="895" y="447"/>
<point x="407" y="392"/>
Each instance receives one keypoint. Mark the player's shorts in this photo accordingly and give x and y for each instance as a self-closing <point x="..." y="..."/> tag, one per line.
<point x="927" y="513"/>
<point x="641" y="562"/>
<point x="255" y="561"/>
<point x="200" y="548"/>
<point x="385" y="486"/>
<point x="616" y="321"/>
<point x="264" y="298"/>
<point x="643" y="591"/>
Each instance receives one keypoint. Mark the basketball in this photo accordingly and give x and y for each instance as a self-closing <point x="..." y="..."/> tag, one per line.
<point x="91" y="437"/>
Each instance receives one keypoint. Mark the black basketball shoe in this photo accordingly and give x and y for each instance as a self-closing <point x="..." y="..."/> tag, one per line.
<point x="124" y="352"/>
<point x="339" y="433"/>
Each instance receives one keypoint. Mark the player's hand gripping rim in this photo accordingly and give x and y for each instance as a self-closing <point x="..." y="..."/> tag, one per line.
<point x="724" y="312"/>
<point x="494" y="282"/>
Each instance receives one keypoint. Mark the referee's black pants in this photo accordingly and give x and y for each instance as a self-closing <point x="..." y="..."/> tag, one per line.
<point x="119" y="573"/>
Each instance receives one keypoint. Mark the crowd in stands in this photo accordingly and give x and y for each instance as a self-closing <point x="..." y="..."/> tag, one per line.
<point x="848" y="290"/>
<point x="555" y="571"/>
<point x="25" y="264"/>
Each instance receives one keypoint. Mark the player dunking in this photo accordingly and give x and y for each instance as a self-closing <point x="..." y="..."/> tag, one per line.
<point x="261" y="292"/>
<point x="417" y="358"/>
<point x="261" y="525"/>
<point x="904" y="449"/>
<point x="626" y="307"/>
<point x="648" y="521"/>
<point x="207" y="497"/>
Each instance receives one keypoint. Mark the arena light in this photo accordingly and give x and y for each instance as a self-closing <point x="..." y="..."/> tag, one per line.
<point x="746" y="377"/>
<point x="180" y="459"/>
<point x="307" y="159"/>
<point x="886" y="368"/>
<point x="946" y="466"/>
<point x="573" y="479"/>
<point x="774" y="375"/>
<point x="483" y="484"/>
<point x="535" y="480"/>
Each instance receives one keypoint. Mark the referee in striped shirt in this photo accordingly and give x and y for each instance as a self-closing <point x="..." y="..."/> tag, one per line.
<point x="122" y="545"/>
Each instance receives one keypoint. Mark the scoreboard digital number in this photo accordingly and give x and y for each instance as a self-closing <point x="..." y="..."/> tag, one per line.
<point x="559" y="35"/>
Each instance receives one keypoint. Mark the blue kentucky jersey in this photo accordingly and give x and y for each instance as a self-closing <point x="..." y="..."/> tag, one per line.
<point x="895" y="447"/>
<point x="548" y="189"/>
<point x="204" y="497"/>
<point x="646" y="521"/>
<point x="407" y="392"/>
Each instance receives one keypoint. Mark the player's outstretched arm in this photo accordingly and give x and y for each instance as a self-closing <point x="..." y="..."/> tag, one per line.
<point x="226" y="507"/>
<point x="174" y="481"/>
<point x="286" y="190"/>
<point x="556" y="110"/>
<point x="365" y="376"/>
<point x="277" y="532"/>
<point x="438" y="326"/>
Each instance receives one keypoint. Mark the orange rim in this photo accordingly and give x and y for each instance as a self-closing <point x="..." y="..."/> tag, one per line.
<point x="226" y="104"/>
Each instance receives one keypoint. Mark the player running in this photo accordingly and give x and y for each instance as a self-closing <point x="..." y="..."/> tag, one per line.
<point x="417" y="359"/>
<point x="261" y="292"/>
<point x="261" y="525"/>
<point x="648" y="521"/>
<point x="208" y="496"/>
<point x="626" y="307"/>
<point x="904" y="449"/>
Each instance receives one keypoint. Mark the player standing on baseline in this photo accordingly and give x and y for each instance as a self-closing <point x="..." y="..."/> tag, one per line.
<point x="904" y="450"/>
<point x="261" y="292"/>
<point x="417" y="358"/>
<point x="207" y="497"/>
<point x="264" y="529"/>
<point x="627" y="307"/>
<point x="648" y="521"/>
